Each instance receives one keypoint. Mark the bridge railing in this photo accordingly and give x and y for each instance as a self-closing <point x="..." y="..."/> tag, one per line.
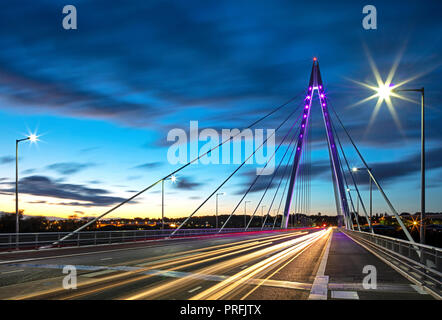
<point x="421" y="262"/>
<point x="29" y="241"/>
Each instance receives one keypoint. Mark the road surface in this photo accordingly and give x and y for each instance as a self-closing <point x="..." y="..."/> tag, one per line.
<point x="257" y="265"/>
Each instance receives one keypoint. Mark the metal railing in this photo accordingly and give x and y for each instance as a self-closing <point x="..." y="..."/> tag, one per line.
<point x="10" y="241"/>
<point x="421" y="262"/>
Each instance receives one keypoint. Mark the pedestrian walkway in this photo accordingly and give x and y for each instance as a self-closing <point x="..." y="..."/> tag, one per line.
<point x="349" y="263"/>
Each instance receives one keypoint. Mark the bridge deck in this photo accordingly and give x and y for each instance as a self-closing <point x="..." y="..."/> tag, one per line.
<point x="344" y="268"/>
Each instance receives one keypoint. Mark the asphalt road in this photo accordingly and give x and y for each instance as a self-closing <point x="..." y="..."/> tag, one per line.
<point x="258" y="265"/>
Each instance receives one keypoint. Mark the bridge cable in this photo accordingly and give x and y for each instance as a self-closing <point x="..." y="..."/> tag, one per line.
<point x="258" y="176"/>
<point x="273" y="176"/>
<point x="177" y="170"/>
<point x="354" y="182"/>
<point x="407" y="234"/>
<point x="231" y="175"/>
<point x="280" y="181"/>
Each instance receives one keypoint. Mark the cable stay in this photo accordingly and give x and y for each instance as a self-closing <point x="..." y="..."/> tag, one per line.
<point x="231" y="175"/>
<point x="258" y="176"/>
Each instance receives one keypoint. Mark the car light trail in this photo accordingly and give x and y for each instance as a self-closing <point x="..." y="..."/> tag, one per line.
<point x="164" y="288"/>
<point x="219" y="290"/>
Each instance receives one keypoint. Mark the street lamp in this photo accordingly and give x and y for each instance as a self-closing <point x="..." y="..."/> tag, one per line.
<point x="371" y="191"/>
<point x="357" y="207"/>
<point x="172" y="178"/>
<point x="422" y="217"/>
<point x="245" y="212"/>
<point x="218" y="194"/>
<point x="262" y="214"/>
<point x="32" y="138"/>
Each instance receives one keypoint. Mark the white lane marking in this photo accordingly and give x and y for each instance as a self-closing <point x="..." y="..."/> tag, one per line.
<point x="243" y="267"/>
<point x="319" y="288"/>
<point x="321" y="269"/>
<point x="98" y="273"/>
<point x="320" y="284"/>
<point x="12" y="271"/>
<point x="348" y="295"/>
<point x="194" y="289"/>
<point x="106" y="259"/>
<point x="419" y="289"/>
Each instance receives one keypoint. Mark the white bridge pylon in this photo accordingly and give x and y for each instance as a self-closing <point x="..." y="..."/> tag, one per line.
<point x="315" y="84"/>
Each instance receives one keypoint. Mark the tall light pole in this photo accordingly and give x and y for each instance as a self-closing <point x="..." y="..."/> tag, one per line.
<point x="357" y="207"/>
<point x="422" y="217"/>
<point x="371" y="191"/>
<point x="262" y="214"/>
<point x="32" y="138"/>
<point x="245" y="213"/>
<point x="216" y="219"/>
<point x="173" y="179"/>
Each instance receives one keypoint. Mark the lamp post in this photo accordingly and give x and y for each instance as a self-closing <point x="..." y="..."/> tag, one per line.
<point x="422" y="217"/>
<point x="216" y="219"/>
<point x="32" y="138"/>
<point x="357" y="207"/>
<point x="371" y="191"/>
<point x="173" y="179"/>
<point x="245" y="213"/>
<point x="262" y="214"/>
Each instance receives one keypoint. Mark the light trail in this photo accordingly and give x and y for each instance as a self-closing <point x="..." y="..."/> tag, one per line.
<point x="227" y="286"/>
<point x="180" y="262"/>
<point x="174" y="285"/>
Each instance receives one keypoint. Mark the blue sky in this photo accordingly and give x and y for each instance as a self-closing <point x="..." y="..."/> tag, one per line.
<point x="104" y="96"/>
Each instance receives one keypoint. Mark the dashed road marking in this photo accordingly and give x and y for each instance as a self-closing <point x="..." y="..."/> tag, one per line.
<point x="319" y="288"/>
<point x="243" y="267"/>
<point x="347" y="295"/>
<point x="12" y="271"/>
<point x="98" y="273"/>
<point x="103" y="259"/>
<point x="419" y="289"/>
<point x="194" y="289"/>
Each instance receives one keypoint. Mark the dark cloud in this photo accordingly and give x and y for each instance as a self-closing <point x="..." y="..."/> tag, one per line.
<point x="29" y="171"/>
<point x="67" y="168"/>
<point x="162" y="58"/>
<point x="318" y="169"/>
<point x="148" y="165"/>
<point x="187" y="183"/>
<point x="408" y="166"/>
<point x="6" y="159"/>
<point x="46" y="187"/>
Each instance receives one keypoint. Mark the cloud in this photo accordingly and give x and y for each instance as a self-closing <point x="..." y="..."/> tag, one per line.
<point x="6" y="159"/>
<point x="186" y="183"/>
<point x="389" y="171"/>
<point x="148" y="165"/>
<point x="46" y="187"/>
<point x="29" y="171"/>
<point x="67" y="168"/>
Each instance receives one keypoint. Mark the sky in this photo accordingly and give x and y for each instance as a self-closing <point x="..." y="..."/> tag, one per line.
<point x="104" y="97"/>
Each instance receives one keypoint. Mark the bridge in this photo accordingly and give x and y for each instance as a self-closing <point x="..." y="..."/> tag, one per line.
<point x="274" y="259"/>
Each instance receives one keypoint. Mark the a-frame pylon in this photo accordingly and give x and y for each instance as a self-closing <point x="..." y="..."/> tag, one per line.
<point x="315" y="84"/>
